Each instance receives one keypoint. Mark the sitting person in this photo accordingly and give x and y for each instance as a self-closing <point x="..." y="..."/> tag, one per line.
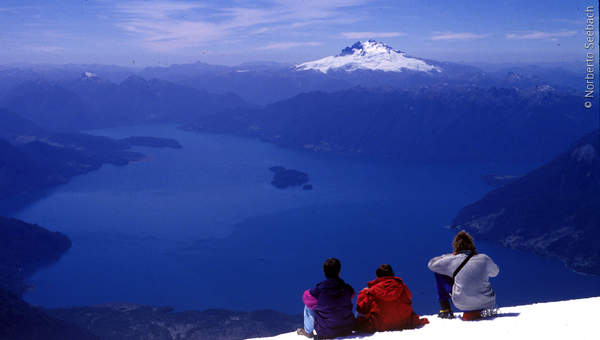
<point x="328" y="306"/>
<point x="386" y="304"/>
<point x="464" y="276"/>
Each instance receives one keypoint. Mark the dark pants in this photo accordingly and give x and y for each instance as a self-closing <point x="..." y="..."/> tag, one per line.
<point x="444" y="287"/>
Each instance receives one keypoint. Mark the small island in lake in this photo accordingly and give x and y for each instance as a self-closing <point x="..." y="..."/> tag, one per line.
<point x="283" y="178"/>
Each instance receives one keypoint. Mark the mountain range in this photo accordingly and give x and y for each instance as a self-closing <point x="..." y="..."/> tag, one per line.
<point x="552" y="211"/>
<point x="389" y="104"/>
<point x="367" y="64"/>
<point x="444" y="122"/>
<point x="90" y="102"/>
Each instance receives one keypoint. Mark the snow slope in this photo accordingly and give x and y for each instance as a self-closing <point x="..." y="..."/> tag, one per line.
<point x="573" y="319"/>
<point x="368" y="55"/>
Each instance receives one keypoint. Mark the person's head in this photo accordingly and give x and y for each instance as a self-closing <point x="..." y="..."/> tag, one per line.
<point x="384" y="270"/>
<point x="332" y="268"/>
<point x="462" y="242"/>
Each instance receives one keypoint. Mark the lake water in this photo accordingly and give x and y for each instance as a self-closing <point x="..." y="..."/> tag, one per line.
<point x="201" y="227"/>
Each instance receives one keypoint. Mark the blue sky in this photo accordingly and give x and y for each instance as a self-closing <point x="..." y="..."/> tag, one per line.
<point x="150" y="33"/>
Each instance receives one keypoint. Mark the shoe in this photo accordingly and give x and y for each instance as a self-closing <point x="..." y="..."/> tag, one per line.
<point x="489" y="313"/>
<point x="445" y="310"/>
<point x="301" y="331"/>
<point x="446" y="314"/>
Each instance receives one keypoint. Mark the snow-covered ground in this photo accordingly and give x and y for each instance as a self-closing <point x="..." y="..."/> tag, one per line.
<point x="564" y="320"/>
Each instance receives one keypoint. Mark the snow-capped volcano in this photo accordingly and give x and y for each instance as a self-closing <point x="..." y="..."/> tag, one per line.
<point x="369" y="55"/>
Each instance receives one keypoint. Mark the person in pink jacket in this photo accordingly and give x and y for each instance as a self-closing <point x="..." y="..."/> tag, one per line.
<point x="328" y="306"/>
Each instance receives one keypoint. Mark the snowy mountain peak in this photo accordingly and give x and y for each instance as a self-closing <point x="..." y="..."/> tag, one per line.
<point x="89" y="75"/>
<point x="369" y="55"/>
<point x="369" y="46"/>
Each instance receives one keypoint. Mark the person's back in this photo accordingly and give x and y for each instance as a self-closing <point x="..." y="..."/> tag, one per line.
<point x="472" y="289"/>
<point x="464" y="276"/>
<point x="386" y="304"/>
<point x="328" y="306"/>
<point x="334" y="308"/>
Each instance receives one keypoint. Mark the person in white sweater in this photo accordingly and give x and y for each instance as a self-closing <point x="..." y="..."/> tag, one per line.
<point x="464" y="277"/>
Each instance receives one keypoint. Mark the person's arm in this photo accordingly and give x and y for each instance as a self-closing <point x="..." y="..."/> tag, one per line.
<point x="492" y="268"/>
<point x="442" y="264"/>
<point x="363" y="304"/>
<point x="309" y="300"/>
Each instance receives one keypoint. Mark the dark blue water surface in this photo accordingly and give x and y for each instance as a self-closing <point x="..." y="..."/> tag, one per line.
<point x="201" y="227"/>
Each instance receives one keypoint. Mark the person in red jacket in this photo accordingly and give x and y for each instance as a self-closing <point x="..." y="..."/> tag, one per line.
<point x="386" y="304"/>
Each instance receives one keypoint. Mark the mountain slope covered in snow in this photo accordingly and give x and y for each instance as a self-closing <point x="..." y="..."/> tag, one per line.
<point x="369" y="55"/>
<point x="574" y="319"/>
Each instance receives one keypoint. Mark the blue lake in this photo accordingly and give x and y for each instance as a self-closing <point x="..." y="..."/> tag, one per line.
<point x="202" y="227"/>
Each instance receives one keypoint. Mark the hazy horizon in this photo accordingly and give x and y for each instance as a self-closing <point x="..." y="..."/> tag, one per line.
<point x="162" y="33"/>
<point x="490" y="66"/>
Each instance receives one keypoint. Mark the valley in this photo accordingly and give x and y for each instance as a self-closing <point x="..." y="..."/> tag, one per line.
<point x="195" y="200"/>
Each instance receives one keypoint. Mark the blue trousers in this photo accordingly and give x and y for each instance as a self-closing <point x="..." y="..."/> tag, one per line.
<point x="444" y="286"/>
<point x="309" y="320"/>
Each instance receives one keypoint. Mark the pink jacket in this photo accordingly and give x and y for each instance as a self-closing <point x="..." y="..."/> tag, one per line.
<point x="311" y="301"/>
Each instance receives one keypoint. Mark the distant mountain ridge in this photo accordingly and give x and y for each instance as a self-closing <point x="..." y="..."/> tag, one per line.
<point x="366" y="64"/>
<point x="89" y="102"/>
<point x="268" y="82"/>
<point x="442" y="123"/>
<point x="553" y="211"/>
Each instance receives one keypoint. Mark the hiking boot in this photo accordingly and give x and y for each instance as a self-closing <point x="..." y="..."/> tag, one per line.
<point x="446" y="314"/>
<point x="301" y="331"/>
<point x="445" y="310"/>
<point x="489" y="313"/>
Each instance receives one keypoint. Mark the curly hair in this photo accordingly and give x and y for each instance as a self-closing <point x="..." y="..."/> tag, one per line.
<point x="463" y="241"/>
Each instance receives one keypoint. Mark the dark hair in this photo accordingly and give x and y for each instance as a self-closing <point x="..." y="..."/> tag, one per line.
<point x="463" y="241"/>
<point x="332" y="267"/>
<point x="384" y="270"/>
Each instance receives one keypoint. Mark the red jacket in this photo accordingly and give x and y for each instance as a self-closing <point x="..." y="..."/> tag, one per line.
<point x="386" y="305"/>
